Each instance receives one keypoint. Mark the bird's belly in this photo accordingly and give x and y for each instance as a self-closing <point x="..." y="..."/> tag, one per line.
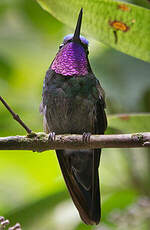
<point x="73" y="115"/>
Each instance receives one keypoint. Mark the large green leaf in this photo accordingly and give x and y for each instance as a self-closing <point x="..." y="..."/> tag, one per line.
<point x="129" y="123"/>
<point x="34" y="212"/>
<point x="131" y="23"/>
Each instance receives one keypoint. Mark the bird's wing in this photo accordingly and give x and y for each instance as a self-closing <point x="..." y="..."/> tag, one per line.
<point x="100" y="126"/>
<point x="101" y="120"/>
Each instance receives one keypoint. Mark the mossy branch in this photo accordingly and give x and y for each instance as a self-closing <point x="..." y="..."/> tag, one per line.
<point x="40" y="142"/>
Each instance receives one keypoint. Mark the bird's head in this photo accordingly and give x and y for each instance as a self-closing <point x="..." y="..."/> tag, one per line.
<point x="72" y="57"/>
<point x="76" y="38"/>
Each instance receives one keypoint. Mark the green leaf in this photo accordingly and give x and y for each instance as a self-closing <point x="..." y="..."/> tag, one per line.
<point x="6" y="68"/>
<point x="129" y="123"/>
<point x="31" y="12"/>
<point x="118" y="200"/>
<point x="103" y="17"/>
<point x="34" y="212"/>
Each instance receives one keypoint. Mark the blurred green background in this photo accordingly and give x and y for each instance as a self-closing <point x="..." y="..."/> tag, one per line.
<point x="32" y="190"/>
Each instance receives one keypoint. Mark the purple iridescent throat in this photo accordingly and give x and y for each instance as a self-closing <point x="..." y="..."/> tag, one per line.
<point x="71" y="60"/>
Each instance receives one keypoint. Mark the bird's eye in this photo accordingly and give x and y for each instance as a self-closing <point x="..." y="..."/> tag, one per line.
<point x="61" y="46"/>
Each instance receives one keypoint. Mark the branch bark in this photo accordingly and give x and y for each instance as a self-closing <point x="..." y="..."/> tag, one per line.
<point x="40" y="142"/>
<point x="15" y="116"/>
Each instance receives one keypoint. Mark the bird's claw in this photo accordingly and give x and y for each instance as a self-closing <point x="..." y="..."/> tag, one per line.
<point x="51" y="136"/>
<point x="86" y="137"/>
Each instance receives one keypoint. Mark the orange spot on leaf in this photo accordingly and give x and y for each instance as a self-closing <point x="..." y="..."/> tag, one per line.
<point x="124" y="117"/>
<point x="119" y="26"/>
<point x="123" y="7"/>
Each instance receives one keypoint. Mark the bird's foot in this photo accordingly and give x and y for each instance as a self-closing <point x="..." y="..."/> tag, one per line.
<point x="51" y="136"/>
<point x="86" y="137"/>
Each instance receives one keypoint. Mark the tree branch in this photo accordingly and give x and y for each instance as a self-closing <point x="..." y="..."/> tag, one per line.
<point x="40" y="142"/>
<point x="15" y="116"/>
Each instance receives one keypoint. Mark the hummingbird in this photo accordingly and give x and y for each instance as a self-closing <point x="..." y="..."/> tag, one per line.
<point x="73" y="102"/>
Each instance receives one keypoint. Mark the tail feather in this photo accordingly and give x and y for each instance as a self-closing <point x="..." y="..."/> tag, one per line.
<point x="80" y="171"/>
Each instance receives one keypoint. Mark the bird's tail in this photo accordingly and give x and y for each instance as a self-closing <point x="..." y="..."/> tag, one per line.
<point x="80" y="171"/>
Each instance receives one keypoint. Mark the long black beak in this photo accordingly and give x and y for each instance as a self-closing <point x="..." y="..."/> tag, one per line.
<point x="76" y="37"/>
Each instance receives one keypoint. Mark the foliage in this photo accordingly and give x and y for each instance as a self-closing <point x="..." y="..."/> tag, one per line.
<point x="32" y="189"/>
<point x="114" y="23"/>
